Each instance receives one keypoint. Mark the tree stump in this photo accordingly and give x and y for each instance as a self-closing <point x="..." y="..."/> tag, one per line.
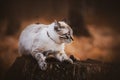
<point x="26" y="68"/>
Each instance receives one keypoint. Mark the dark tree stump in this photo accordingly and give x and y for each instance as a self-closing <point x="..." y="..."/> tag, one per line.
<point x="26" y="68"/>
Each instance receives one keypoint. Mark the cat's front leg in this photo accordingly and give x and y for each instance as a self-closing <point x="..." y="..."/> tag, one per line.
<point x="63" y="57"/>
<point x="38" y="55"/>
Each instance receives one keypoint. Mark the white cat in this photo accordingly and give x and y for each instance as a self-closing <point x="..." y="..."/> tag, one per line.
<point x="40" y="40"/>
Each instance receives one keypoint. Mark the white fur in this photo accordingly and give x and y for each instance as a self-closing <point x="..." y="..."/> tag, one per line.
<point x="35" y="37"/>
<point x="32" y="40"/>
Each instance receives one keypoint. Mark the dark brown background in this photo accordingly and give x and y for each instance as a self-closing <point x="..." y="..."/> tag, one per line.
<point x="95" y="24"/>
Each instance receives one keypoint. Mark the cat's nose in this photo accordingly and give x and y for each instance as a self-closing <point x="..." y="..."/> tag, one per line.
<point x="71" y="38"/>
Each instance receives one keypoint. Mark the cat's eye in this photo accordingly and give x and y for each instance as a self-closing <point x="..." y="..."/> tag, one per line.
<point x="62" y="27"/>
<point x="65" y="34"/>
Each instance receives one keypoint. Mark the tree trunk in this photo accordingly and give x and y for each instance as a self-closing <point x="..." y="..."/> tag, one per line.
<point x="26" y="68"/>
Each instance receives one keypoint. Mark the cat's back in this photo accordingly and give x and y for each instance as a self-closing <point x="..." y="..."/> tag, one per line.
<point x="33" y="28"/>
<point x="28" y="35"/>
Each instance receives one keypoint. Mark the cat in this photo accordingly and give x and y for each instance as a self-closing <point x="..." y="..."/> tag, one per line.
<point x="40" y="40"/>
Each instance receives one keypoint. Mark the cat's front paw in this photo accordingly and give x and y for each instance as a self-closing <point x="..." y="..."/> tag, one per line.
<point x="42" y="65"/>
<point x="69" y="60"/>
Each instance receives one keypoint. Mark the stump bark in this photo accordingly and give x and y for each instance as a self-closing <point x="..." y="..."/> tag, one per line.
<point x="26" y="68"/>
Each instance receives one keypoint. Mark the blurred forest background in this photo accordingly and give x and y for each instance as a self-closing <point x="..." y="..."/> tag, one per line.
<point x="96" y="26"/>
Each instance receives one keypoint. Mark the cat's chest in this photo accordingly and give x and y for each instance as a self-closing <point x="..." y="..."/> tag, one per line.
<point x="45" y="42"/>
<point x="53" y="46"/>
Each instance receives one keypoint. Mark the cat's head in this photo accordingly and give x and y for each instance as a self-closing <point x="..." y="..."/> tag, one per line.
<point x="64" y="31"/>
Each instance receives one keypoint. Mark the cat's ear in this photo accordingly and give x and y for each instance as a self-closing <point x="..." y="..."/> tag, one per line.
<point x="56" y="22"/>
<point x="57" y="25"/>
<point x="66" y="21"/>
